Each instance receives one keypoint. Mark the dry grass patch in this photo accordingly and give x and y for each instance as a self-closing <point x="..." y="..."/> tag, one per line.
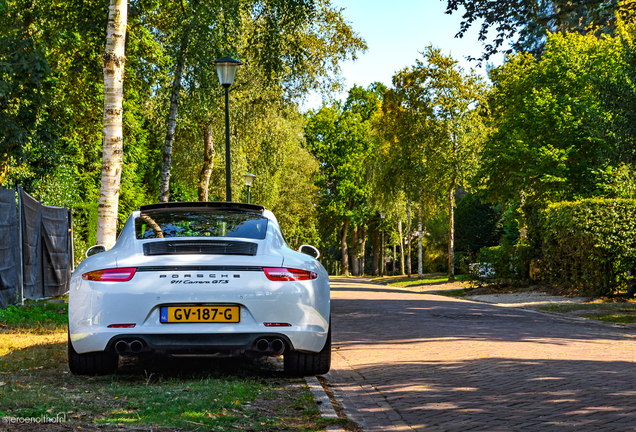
<point x="614" y="310"/>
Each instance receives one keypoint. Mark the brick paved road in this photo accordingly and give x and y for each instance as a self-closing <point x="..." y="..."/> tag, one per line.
<point x="406" y="361"/>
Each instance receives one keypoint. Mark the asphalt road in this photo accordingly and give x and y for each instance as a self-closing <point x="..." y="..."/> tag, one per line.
<point x="406" y="361"/>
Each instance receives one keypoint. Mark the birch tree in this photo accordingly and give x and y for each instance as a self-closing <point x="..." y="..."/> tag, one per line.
<point x="189" y="14"/>
<point x="455" y="132"/>
<point x="434" y="131"/>
<point x="113" y="61"/>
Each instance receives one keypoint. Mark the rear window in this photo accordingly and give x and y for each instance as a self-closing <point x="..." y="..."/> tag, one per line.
<point x="201" y="224"/>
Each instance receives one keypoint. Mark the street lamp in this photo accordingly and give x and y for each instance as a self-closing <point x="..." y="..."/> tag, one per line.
<point x="382" y="215"/>
<point x="226" y="69"/>
<point x="249" y="179"/>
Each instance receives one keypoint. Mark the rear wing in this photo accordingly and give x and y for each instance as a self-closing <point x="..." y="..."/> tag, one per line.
<point x="201" y="206"/>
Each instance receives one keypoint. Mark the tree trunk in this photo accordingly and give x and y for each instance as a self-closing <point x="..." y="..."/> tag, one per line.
<point x="419" y="246"/>
<point x="375" y="263"/>
<point x="208" y="163"/>
<point x="164" y="189"/>
<point x="343" y="246"/>
<point x="451" y="232"/>
<point x="354" y="252"/>
<point x="394" y="260"/>
<point x="401" y="246"/>
<point x="363" y="246"/>
<point x="408" y="236"/>
<point x="113" y="61"/>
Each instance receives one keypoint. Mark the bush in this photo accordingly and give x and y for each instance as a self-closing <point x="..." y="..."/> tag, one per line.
<point x="589" y="245"/>
<point x="508" y="261"/>
<point x="476" y="224"/>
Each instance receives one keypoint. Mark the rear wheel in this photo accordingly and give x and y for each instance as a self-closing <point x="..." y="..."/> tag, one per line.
<point x="303" y="364"/>
<point x="99" y="363"/>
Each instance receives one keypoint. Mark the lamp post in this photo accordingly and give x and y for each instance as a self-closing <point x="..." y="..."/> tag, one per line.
<point x="249" y="179"/>
<point x="226" y="69"/>
<point x="382" y="215"/>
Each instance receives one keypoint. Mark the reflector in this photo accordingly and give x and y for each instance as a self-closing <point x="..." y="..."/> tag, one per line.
<point x="289" y="274"/>
<point x="277" y="325"/>
<point x="121" y="326"/>
<point x="111" y="275"/>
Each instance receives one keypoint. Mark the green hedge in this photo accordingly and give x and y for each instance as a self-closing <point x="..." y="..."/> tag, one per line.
<point x="508" y="261"/>
<point x="590" y="244"/>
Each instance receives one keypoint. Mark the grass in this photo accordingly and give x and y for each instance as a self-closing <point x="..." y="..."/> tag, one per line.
<point x="607" y="310"/>
<point x="220" y="395"/>
<point x="35" y="314"/>
<point x="459" y="293"/>
<point x="428" y="279"/>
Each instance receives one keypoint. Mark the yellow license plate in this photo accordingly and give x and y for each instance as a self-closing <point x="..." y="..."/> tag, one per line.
<point x="200" y="314"/>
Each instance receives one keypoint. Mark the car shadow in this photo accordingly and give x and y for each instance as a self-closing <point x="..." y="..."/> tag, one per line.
<point x="198" y="367"/>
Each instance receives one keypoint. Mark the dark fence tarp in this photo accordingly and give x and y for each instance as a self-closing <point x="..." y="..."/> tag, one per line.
<point x="10" y="282"/>
<point x="32" y="246"/>
<point x="56" y="254"/>
<point x="46" y="248"/>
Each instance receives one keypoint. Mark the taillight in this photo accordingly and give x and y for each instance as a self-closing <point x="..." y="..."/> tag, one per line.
<point x="288" y="274"/>
<point x="111" y="275"/>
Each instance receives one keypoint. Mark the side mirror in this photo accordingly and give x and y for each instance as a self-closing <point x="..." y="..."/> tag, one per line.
<point x="94" y="250"/>
<point x="309" y="250"/>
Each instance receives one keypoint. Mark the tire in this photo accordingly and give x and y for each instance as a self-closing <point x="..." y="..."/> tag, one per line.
<point x="98" y="363"/>
<point x="302" y="364"/>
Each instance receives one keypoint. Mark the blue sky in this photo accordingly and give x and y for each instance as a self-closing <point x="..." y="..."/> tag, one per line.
<point x="395" y="31"/>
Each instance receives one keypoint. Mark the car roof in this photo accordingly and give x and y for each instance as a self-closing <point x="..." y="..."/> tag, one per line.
<point x="201" y="206"/>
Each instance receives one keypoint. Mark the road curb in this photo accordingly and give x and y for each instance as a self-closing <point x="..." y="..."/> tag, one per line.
<point x="322" y="400"/>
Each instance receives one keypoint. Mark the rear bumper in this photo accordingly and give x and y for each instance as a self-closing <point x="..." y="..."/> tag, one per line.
<point x="231" y="344"/>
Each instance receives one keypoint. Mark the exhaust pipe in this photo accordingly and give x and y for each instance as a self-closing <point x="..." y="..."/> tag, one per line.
<point x="277" y="346"/>
<point x="262" y="345"/>
<point x="121" y="347"/>
<point x="136" y="346"/>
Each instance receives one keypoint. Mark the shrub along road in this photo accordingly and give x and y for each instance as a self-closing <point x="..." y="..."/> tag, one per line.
<point x="423" y="362"/>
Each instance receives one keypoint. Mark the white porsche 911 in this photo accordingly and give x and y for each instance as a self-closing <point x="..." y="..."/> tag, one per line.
<point x="200" y="278"/>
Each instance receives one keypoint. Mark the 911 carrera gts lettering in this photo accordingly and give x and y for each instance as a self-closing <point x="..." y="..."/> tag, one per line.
<point x="190" y="282"/>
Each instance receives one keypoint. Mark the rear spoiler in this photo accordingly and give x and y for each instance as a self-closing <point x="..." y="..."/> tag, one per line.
<point x="201" y="206"/>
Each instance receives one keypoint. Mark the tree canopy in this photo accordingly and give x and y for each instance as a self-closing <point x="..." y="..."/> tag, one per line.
<point x="525" y="23"/>
<point x="340" y="137"/>
<point x="51" y="97"/>
<point x="558" y="134"/>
